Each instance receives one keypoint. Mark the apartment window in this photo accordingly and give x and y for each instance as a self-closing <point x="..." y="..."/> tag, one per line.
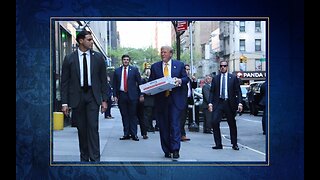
<point x="258" y="65"/>
<point x="203" y="51"/>
<point x="258" y="26"/>
<point x="242" y="26"/>
<point x="258" y="44"/>
<point x="242" y="45"/>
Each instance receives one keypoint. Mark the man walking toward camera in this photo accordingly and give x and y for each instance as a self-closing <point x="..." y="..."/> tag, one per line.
<point x="169" y="104"/>
<point x="84" y="89"/>
<point x="225" y="97"/>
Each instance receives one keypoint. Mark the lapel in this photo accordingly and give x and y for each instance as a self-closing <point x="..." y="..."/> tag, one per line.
<point x="129" y="69"/>
<point x="219" y="81"/>
<point x="161" y="69"/>
<point x="173" y="65"/>
<point x="174" y="71"/>
<point x="92" y="62"/>
<point x="75" y="58"/>
<point x="120" y="73"/>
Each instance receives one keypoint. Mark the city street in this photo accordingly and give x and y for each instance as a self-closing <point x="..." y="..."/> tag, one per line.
<point x="251" y="141"/>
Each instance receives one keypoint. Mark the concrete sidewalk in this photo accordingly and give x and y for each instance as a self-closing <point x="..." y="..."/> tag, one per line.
<point x="66" y="148"/>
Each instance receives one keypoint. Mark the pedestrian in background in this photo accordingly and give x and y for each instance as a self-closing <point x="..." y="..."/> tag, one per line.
<point x="126" y="81"/>
<point x="169" y="104"/>
<point x="207" y="114"/>
<point x="107" y="114"/>
<point x="251" y="102"/>
<point x="83" y="88"/>
<point x="262" y="103"/>
<point x="225" y="97"/>
<point x="187" y="113"/>
<point x="141" y="116"/>
<point x="148" y="104"/>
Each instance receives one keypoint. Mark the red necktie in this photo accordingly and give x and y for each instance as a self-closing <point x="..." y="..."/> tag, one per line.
<point x="125" y="85"/>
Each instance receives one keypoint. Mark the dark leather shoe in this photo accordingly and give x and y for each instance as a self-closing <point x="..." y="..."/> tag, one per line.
<point x="175" y="155"/>
<point x="217" y="147"/>
<point x="145" y="137"/>
<point x="235" y="147"/>
<point x="208" y="131"/>
<point x="184" y="138"/>
<point x="167" y="155"/>
<point x="125" y="137"/>
<point x="135" y="138"/>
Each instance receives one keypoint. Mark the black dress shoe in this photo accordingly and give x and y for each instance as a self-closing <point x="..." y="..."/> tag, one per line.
<point x="135" y="138"/>
<point x="167" y="155"/>
<point x="235" y="147"/>
<point x="125" y="137"/>
<point x="208" y="131"/>
<point x="217" y="147"/>
<point x="175" y="155"/>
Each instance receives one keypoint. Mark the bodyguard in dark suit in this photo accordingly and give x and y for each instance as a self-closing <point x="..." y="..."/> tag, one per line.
<point x="188" y="112"/>
<point x="148" y="104"/>
<point x="169" y="104"/>
<point x="107" y="114"/>
<point x="126" y="92"/>
<point x="206" y="95"/>
<point x="262" y="103"/>
<point x="225" y="97"/>
<point x="83" y="88"/>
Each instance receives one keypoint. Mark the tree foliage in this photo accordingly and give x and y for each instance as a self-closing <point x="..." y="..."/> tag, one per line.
<point x="138" y="56"/>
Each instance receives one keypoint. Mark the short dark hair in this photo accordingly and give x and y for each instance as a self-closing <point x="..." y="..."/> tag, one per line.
<point x="82" y="34"/>
<point x="125" y="55"/>
<point x="223" y="61"/>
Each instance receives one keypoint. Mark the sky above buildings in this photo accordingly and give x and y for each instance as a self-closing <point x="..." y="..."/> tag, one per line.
<point x="136" y="34"/>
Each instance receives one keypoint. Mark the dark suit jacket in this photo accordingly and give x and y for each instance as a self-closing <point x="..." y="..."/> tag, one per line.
<point x="148" y="99"/>
<point x="206" y="95"/>
<point x="70" y="79"/>
<point x="234" y="92"/>
<point x="193" y="85"/>
<point x="177" y="70"/>
<point x="263" y="94"/>
<point x="134" y="80"/>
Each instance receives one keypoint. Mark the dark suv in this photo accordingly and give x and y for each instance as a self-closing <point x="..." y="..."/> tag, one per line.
<point x="254" y="97"/>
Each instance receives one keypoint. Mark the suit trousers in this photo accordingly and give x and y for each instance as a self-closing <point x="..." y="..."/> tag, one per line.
<point x="128" y="111"/>
<point x="223" y="106"/>
<point x="87" y="116"/>
<point x="168" y="117"/>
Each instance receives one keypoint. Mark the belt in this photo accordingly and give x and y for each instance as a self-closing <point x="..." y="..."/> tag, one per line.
<point x="223" y="99"/>
<point x="89" y="87"/>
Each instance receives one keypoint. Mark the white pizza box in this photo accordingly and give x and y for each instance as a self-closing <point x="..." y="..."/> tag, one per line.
<point x="157" y="85"/>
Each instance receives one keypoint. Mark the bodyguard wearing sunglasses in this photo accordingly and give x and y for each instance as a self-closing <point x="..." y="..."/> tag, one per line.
<point x="225" y="98"/>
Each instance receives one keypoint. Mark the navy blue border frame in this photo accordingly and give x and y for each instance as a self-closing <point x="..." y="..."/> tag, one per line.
<point x="286" y="86"/>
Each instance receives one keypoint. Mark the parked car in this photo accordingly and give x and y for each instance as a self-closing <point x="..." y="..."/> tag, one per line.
<point x="198" y="99"/>
<point x="245" y="102"/>
<point x="254" y="97"/>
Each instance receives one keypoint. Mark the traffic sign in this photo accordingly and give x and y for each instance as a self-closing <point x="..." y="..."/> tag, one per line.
<point x="182" y="25"/>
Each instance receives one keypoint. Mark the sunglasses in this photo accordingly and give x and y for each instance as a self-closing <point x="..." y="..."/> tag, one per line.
<point x="223" y="65"/>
